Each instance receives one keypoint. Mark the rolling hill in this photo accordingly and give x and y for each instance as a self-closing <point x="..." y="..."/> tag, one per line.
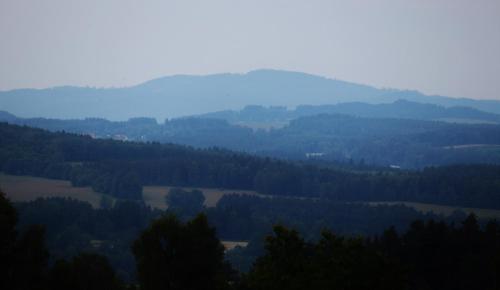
<point x="181" y="95"/>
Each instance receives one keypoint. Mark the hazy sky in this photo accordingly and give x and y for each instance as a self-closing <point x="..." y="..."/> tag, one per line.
<point x="449" y="47"/>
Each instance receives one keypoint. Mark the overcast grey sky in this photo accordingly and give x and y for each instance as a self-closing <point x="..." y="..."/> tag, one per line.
<point x="448" y="47"/>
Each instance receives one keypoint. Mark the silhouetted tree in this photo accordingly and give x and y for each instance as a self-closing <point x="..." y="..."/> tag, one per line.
<point x="285" y="265"/>
<point x="84" y="272"/>
<point x="24" y="258"/>
<point x="8" y="220"/>
<point x="173" y="255"/>
<point x="332" y="263"/>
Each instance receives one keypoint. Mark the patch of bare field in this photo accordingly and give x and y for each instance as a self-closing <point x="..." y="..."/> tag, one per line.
<point x="443" y="209"/>
<point x="154" y="196"/>
<point x="27" y="188"/>
<point x="230" y="245"/>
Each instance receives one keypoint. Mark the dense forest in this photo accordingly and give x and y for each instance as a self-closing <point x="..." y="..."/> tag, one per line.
<point x="381" y="135"/>
<point x="74" y="226"/>
<point x="168" y="252"/>
<point x="122" y="168"/>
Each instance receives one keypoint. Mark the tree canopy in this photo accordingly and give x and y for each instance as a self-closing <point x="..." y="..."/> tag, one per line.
<point x="175" y="255"/>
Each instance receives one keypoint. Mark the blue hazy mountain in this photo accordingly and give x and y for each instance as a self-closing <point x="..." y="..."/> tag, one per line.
<point x="181" y="95"/>
<point x="400" y="109"/>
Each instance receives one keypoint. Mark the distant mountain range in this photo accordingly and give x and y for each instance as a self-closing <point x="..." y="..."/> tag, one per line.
<point x="182" y="95"/>
<point x="254" y="116"/>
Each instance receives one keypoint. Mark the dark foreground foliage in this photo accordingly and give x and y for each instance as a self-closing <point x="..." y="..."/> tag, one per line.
<point x="174" y="255"/>
<point x="24" y="261"/>
<point x="171" y="254"/>
<point x="428" y="256"/>
<point x="74" y="226"/>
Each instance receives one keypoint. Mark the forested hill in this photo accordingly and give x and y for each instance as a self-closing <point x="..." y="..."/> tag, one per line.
<point x="122" y="168"/>
<point x="407" y="143"/>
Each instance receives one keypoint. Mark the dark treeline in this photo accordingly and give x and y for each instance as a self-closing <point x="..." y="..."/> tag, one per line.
<point x="239" y="217"/>
<point x="73" y="227"/>
<point x="171" y="254"/>
<point x="251" y="218"/>
<point x="24" y="261"/>
<point x="431" y="255"/>
<point x="122" y="168"/>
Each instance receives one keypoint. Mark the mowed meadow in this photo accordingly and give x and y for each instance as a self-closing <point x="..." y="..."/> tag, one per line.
<point x="155" y="195"/>
<point x="26" y="188"/>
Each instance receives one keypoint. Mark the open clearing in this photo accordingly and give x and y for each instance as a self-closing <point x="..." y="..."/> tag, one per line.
<point x="26" y="188"/>
<point x="155" y="195"/>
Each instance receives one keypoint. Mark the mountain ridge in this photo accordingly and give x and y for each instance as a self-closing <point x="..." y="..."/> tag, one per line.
<point x="181" y="95"/>
<point x="401" y="109"/>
